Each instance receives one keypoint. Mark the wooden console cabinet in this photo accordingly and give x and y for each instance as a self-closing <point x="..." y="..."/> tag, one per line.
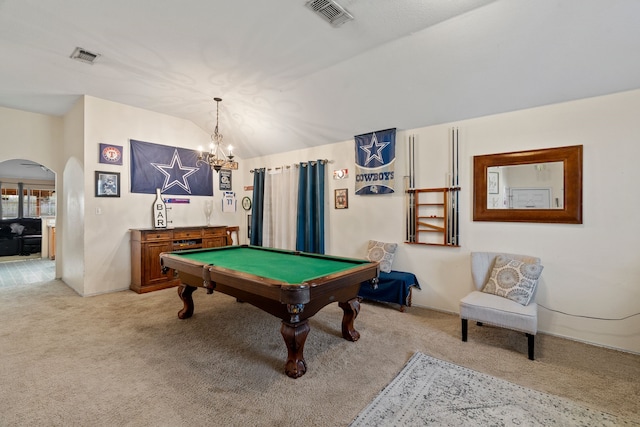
<point x="148" y="243"/>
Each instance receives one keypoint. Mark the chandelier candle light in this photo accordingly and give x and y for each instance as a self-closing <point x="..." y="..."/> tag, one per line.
<point x="216" y="158"/>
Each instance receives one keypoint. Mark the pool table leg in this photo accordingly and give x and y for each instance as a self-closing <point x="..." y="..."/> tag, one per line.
<point x="351" y="309"/>
<point x="184" y="292"/>
<point x="295" y="336"/>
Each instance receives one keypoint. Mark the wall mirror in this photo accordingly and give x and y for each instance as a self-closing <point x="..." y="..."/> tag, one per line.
<point x="529" y="186"/>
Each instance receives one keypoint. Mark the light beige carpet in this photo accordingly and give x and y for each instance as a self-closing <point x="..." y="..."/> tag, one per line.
<point x="126" y="359"/>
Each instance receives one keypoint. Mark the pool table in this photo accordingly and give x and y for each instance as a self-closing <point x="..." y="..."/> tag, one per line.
<point x="290" y="285"/>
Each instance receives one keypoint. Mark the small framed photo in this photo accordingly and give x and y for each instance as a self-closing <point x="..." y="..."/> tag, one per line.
<point x="342" y="198"/>
<point x="225" y="179"/>
<point x="110" y="154"/>
<point x="493" y="183"/>
<point x="107" y="184"/>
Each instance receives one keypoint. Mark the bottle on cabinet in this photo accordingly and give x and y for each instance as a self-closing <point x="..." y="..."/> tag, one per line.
<point x="159" y="211"/>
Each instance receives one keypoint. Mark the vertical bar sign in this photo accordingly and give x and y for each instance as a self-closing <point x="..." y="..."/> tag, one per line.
<point x="375" y="159"/>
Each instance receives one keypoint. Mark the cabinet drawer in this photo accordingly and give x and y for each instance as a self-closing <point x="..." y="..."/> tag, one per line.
<point x="151" y="236"/>
<point x="214" y="231"/>
<point x="187" y="233"/>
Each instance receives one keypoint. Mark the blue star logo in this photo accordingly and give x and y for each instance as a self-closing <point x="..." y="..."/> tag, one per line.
<point x="175" y="174"/>
<point x="379" y="146"/>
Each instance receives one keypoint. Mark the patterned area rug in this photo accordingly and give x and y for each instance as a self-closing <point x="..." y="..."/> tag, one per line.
<point x="430" y="391"/>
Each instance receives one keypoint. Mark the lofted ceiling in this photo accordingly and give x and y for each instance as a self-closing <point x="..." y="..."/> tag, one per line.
<point x="289" y="80"/>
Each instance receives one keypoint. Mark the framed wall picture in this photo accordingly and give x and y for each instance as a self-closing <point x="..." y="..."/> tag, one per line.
<point x="107" y="184"/>
<point x="110" y="154"/>
<point x="341" y="198"/>
<point x="493" y="182"/>
<point x="224" y="176"/>
<point x="246" y="203"/>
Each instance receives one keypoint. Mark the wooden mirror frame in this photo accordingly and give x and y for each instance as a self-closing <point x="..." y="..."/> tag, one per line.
<point x="571" y="157"/>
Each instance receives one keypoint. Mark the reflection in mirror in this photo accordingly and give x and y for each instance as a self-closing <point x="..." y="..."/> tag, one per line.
<point x="532" y="186"/>
<point x="529" y="186"/>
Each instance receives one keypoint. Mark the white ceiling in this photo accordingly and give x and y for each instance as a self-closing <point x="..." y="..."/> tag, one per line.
<point x="289" y="80"/>
<point x="17" y="169"/>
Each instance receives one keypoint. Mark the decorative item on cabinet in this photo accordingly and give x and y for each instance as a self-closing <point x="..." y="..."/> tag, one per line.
<point x="208" y="209"/>
<point x="147" y="244"/>
<point x="159" y="211"/>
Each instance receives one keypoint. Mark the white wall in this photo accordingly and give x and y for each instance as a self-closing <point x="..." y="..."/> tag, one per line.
<point x="35" y="137"/>
<point x="591" y="270"/>
<point x="70" y="215"/>
<point x="106" y="239"/>
<point x="32" y="136"/>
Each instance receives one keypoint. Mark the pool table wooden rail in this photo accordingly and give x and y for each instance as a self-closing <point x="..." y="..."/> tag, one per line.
<point x="254" y="289"/>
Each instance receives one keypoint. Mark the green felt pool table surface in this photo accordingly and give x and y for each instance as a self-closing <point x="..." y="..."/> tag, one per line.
<point x="273" y="264"/>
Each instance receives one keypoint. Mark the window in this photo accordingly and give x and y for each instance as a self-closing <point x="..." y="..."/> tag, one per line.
<point x="10" y="201"/>
<point x="36" y="201"/>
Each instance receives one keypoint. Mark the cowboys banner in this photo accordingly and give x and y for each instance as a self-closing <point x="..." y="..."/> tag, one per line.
<point x="375" y="157"/>
<point x="173" y="170"/>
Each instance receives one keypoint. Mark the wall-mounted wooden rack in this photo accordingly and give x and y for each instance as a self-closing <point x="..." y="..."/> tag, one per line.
<point x="433" y="216"/>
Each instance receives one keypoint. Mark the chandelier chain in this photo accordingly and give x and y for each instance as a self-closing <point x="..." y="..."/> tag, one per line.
<point x="217" y="136"/>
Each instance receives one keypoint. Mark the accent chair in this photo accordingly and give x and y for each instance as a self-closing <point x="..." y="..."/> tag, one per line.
<point x="495" y="307"/>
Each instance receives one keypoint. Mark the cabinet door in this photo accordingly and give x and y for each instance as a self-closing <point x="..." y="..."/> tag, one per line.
<point x="151" y="258"/>
<point x="214" y="242"/>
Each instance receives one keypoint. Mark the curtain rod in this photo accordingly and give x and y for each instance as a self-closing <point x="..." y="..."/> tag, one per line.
<point x="323" y="161"/>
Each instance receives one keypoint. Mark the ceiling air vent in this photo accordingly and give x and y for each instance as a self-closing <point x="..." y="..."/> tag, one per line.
<point x="330" y="11"/>
<point x="83" y="55"/>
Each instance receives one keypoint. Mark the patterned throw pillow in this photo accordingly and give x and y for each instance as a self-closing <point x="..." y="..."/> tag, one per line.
<point x="382" y="253"/>
<point x="513" y="279"/>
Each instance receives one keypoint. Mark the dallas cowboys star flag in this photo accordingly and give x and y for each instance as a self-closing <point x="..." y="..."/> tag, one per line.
<point x="375" y="158"/>
<point x="171" y="169"/>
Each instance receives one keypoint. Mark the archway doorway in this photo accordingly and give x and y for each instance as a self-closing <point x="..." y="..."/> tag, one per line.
<point x="27" y="222"/>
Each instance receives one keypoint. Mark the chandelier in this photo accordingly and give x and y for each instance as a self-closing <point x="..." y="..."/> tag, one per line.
<point x="216" y="158"/>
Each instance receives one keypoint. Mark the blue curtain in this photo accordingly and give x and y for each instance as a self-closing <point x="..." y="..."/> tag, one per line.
<point x="257" y="207"/>
<point x="310" y="221"/>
